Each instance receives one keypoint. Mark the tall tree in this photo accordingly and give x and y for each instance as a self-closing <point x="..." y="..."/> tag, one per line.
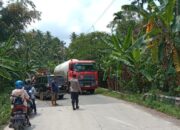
<point x="15" y="17"/>
<point x="73" y="36"/>
<point x="88" y="47"/>
<point x="40" y="50"/>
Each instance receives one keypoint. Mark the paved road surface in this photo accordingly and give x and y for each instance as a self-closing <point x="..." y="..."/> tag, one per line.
<point x="98" y="112"/>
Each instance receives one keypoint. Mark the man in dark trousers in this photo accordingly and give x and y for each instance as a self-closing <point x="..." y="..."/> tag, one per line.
<point x="75" y="89"/>
<point x="54" y="90"/>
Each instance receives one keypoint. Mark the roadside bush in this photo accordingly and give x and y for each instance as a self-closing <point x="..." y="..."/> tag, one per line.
<point x="6" y="87"/>
<point x="4" y="107"/>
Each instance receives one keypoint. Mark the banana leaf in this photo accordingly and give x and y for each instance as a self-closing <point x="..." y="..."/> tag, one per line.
<point x="116" y="42"/>
<point x="176" y="59"/>
<point x="122" y="60"/>
<point x="161" y="52"/>
<point x="138" y="43"/>
<point x="154" y="54"/>
<point x="5" y="74"/>
<point x="177" y="42"/>
<point x="167" y="12"/>
<point x="128" y="39"/>
<point x="176" y="26"/>
<point x="146" y="74"/>
<point x="136" y="55"/>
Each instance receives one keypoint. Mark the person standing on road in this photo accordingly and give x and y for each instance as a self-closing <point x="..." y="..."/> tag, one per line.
<point x="74" y="90"/>
<point x="54" y="91"/>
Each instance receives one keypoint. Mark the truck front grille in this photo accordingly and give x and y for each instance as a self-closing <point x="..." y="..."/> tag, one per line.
<point x="88" y="80"/>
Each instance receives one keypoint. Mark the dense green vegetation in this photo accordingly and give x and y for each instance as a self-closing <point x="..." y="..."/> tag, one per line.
<point x="142" y="54"/>
<point x="4" y="107"/>
<point x="23" y="53"/>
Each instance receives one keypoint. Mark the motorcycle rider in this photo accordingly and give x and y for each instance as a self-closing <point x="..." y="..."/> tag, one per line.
<point x="31" y="92"/>
<point x="27" y="86"/>
<point x="20" y="92"/>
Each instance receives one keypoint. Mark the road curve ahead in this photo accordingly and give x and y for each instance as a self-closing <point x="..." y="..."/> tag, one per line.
<point x="99" y="112"/>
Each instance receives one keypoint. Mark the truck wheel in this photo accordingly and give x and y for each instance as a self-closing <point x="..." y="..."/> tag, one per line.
<point x="41" y="96"/>
<point x="61" y="96"/>
<point x="91" y="91"/>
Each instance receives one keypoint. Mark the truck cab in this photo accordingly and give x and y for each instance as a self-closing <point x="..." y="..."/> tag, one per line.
<point x="86" y="74"/>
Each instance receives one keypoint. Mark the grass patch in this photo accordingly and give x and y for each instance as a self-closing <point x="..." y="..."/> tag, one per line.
<point x="5" y="108"/>
<point x="169" y="109"/>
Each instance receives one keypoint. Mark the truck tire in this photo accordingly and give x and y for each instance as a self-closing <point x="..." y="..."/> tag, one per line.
<point x="61" y="96"/>
<point x="91" y="91"/>
<point x="41" y="96"/>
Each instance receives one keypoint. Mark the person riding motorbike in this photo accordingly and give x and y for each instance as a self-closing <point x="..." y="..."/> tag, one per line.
<point x="19" y="97"/>
<point x="27" y="86"/>
<point x="31" y="92"/>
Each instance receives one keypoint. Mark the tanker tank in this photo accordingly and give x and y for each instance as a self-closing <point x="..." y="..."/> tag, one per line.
<point x="63" y="68"/>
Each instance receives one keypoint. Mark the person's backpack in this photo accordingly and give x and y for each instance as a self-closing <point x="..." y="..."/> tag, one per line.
<point x="28" y="88"/>
<point x="18" y="101"/>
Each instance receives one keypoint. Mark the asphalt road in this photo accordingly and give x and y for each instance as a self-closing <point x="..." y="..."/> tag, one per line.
<point x="98" y="112"/>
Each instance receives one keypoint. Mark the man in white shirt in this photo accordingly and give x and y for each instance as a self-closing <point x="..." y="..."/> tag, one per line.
<point x="75" y="89"/>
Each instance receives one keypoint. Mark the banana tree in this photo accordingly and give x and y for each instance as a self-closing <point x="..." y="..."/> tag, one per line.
<point x="7" y="64"/>
<point x="163" y="27"/>
<point x="159" y="19"/>
<point x="127" y="52"/>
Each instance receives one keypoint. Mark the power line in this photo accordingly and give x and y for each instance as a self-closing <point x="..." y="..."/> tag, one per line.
<point x="105" y="10"/>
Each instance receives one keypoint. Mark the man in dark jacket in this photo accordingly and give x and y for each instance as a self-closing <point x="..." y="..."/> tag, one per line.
<point x="75" y="89"/>
<point x="31" y="92"/>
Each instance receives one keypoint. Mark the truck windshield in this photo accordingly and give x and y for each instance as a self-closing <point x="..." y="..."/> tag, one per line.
<point x="59" y="79"/>
<point x="84" y="67"/>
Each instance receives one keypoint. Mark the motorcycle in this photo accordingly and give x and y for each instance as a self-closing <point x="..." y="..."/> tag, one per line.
<point x="29" y="107"/>
<point x="29" y="102"/>
<point x="19" y="119"/>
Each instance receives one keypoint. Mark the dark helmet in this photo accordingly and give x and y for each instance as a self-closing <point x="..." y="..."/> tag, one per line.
<point x="19" y="84"/>
<point x="28" y="81"/>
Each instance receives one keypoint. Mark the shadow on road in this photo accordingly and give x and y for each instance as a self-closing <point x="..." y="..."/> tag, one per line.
<point x="34" y="115"/>
<point x="31" y="128"/>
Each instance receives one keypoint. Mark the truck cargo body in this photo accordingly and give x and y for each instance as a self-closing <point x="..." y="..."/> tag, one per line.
<point x="83" y="69"/>
<point x="43" y="86"/>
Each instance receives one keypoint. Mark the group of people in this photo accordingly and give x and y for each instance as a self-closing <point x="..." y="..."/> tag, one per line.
<point x="26" y="92"/>
<point x="22" y="94"/>
<point x="74" y="90"/>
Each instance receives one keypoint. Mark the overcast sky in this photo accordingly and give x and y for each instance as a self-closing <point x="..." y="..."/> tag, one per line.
<point x="62" y="17"/>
